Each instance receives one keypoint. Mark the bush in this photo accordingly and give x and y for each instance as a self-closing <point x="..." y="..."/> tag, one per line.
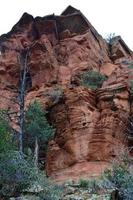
<point x="16" y="174"/>
<point x="120" y="177"/>
<point x="43" y="188"/>
<point x="6" y="143"/>
<point x="19" y="176"/>
<point x="50" y="191"/>
<point x="83" y="183"/>
<point x="92" y="79"/>
<point x="126" y="189"/>
<point x="91" y="185"/>
<point x="115" y="176"/>
<point x="118" y="180"/>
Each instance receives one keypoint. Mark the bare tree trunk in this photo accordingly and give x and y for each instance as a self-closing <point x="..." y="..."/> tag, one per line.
<point x="36" y="153"/>
<point x="22" y="93"/>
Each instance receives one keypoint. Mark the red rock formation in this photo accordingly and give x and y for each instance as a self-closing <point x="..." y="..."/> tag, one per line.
<point x="89" y="127"/>
<point x="120" y="52"/>
<point x="89" y="124"/>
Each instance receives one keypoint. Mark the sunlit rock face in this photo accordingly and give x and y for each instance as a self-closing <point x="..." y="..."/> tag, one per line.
<point x="89" y="123"/>
<point x="90" y="127"/>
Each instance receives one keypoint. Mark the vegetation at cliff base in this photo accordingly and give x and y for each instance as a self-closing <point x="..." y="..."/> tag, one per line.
<point x="20" y="173"/>
<point x="118" y="179"/>
<point x="6" y="142"/>
<point x="16" y="174"/>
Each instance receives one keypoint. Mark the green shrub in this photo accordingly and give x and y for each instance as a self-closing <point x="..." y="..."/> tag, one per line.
<point x="43" y="188"/>
<point x="6" y="143"/>
<point x="19" y="176"/>
<point x="16" y="174"/>
<point x="116" y="175"/>
<point x="91" y="185"/>
<point x="120" y="177"/>
<point x="83" y="183"/>
<point x="126" y="189"/>
<point x="51" y="192"/>
<point x="92" y="79"/>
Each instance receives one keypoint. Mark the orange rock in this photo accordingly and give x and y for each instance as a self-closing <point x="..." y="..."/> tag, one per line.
<point x="89" y="124"/>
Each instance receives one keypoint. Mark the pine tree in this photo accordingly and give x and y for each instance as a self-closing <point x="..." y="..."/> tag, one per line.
<point x="37" y="129"/>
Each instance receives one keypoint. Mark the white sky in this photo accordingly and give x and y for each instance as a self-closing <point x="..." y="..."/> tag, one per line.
<point x="107" y="16"/>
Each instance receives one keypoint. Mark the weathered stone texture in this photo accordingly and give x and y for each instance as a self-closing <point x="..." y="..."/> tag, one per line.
<point x="89" y="124"/>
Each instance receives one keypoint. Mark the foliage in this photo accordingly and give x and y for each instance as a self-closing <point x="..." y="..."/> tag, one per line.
<point x="126" y="189"/>
<point x="36" y="125"/>
<point x="92" y="79"/>
<point x="92" y="185"/>
<point x="110" y="37"/>
<point x="50" y="191"/>
<point x="83" y="183"/>
<point x="43" y="188"/>
<point x="18" y="176"/>
<point x="5" y="133"/>
<point x="16" y="173"/>
<point x="115" y="176"/>
<point x="120" y="177"/>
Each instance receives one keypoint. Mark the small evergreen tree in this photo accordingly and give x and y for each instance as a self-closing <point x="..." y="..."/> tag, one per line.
<point x="37" y="129"/>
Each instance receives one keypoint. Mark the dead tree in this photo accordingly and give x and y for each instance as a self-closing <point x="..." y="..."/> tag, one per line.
<point x="23" y="58"/>
<point x="21" y="89"/>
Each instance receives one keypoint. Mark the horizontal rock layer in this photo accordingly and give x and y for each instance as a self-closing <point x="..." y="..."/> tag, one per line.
<point x="89" y="124"/>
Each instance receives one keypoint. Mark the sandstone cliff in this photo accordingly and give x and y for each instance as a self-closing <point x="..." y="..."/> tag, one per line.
<point x="89" y="123"/>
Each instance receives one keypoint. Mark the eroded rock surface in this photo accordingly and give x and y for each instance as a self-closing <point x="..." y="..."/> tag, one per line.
<point x="89" y="123"/>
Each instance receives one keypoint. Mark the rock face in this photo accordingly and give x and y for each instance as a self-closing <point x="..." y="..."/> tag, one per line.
<point x="89" y="123"/>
